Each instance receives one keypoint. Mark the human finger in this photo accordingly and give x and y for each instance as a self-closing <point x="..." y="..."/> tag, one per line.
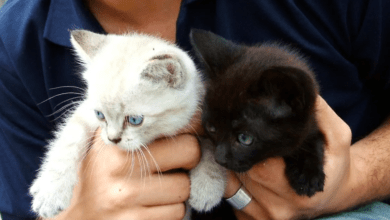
<point x="233" y="184"/>
<point x="172" y="211"/>
<point x="181" y="151"/>
<point x="269" y="173"/>
<point x="164" y="154"/>
<point x="164" y="189"/>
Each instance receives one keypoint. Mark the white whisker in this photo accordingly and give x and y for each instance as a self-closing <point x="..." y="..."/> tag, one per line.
<point x="77" y="97"/>
<point x="159" y="172"/>
<point x="143" y="165"/>
<point x="132" y="162"/>
<point x="100" y="149"/>
<point x="172" y="137"/>
<point x="64" y="113"/>
<point x="89" y="162"/>
<point x="131" y="166"/>
<point x="61" y="87"/>
<point x="66" y="93"/>
<point x="154" y="161"/>
<point x="192" y="127"/>
<point x="147" y="168"/>
<point x="62" y="108"/>
<point x="139" y="162"/>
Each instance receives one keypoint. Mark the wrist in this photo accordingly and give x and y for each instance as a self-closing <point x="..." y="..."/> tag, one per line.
<point x="340" y="192"/>
<point x="354" y="190"/>
<point x="359" y="182"/>
<point x="370" y="158"/>
<point x="369" y="174"/>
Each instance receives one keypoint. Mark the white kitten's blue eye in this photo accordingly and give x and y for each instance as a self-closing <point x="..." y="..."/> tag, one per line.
<point x="99" y="115"/>
<point x="135" y="119"/>
<point x="245" y="139"/>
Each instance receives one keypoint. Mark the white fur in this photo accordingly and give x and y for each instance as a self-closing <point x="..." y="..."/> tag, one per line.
<point x="208" y="181"/>
<point x="117" y="86"/>
<point x="52" y="190"/>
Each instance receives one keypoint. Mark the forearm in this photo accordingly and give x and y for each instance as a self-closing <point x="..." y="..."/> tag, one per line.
<point x="371" y="159"/>
<point x="369" y="170"/>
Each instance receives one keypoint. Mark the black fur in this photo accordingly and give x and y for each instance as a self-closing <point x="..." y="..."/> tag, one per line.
<point x="266" y="92"/>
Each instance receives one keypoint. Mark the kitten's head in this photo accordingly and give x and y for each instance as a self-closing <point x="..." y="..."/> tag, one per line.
<point x="259" y="101"/>
<point x="139" y="87"/>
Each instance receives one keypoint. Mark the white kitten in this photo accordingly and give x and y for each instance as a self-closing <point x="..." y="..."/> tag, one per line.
<point x="138" y="88"/>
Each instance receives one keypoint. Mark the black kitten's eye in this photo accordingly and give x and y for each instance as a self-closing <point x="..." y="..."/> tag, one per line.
<point x="210" y="128"/>
<point x="245" y="139"/>
<point x="99" y="115"/>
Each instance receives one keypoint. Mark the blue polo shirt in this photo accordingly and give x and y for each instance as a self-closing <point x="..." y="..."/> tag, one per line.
<point x="346" y="42"/>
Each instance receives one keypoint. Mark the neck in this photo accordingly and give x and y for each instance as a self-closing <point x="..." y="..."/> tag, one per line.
<point x="145" y="16"/>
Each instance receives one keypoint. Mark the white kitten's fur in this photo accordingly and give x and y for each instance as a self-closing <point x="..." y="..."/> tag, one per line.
<point x="126" y="75"/>
<point x="208" y="180"/>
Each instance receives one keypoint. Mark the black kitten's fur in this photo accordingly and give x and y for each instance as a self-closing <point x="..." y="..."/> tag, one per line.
<point x="263" y="96"/>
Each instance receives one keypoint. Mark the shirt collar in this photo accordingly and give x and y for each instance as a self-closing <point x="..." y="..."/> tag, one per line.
<point x="67" y="15"/>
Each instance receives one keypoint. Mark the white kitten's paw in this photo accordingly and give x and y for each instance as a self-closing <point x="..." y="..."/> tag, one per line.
<point x="204" y="197"/>
<point x="50" y="196"/>
<point x="208" y="183"/>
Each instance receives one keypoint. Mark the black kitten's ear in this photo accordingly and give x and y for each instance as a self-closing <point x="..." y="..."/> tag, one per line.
<point x="213" y="51"/>
<point x="287" y="91"/>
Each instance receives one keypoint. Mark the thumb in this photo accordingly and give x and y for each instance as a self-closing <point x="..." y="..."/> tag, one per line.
<point x="233" y="184"/>
<point x="253" y="210"/>
<point x="337" y="133"/>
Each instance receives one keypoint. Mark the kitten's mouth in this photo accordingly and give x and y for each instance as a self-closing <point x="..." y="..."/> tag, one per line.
<point x="239" y="168"/>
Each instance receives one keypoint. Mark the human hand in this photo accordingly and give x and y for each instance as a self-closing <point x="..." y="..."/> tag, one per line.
<point x="115" y="184"/>
<point x="272" y="196"/>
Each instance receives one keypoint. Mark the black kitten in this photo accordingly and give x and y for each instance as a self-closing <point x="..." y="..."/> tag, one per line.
<point x="260" y="104"/>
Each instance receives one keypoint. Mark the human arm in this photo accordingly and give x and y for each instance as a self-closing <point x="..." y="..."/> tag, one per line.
<point x="349" y="175"/>
<point x="370" y="157"/>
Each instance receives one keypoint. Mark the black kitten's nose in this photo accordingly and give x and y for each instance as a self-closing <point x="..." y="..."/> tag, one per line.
<point x="116" y="140"/>
<point x="221" y="161"/>
<point x="220" y="154"/>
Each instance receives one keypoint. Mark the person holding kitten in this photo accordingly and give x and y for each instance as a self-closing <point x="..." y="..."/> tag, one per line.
<point x="345" y="42"/>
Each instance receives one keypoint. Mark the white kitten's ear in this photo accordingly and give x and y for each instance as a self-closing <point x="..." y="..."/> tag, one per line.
<point x="86" y="43"/>
<point x="165" y="69"/>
